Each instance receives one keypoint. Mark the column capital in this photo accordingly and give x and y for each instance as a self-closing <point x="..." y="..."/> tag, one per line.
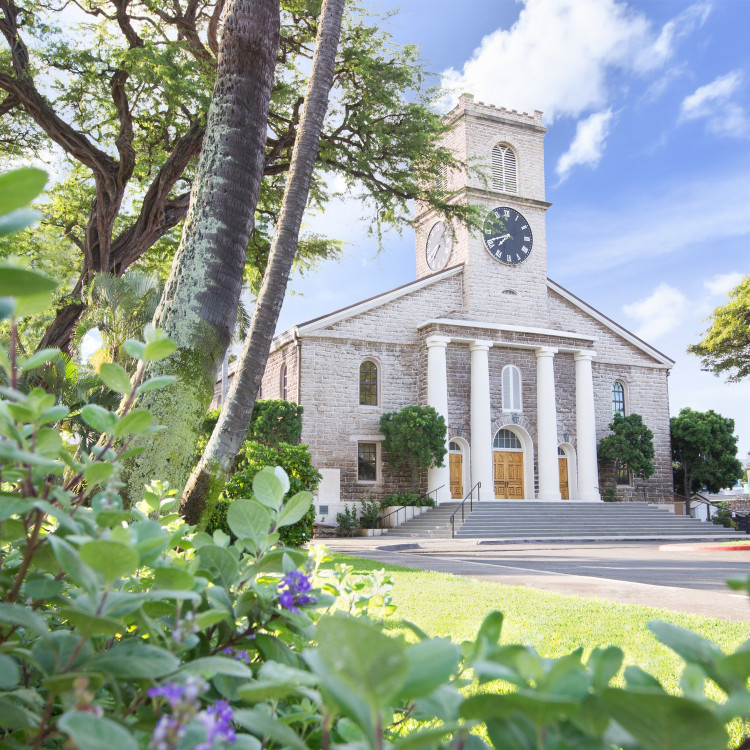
<point x="584" y="355"/>
<point x="478" y="346"/>
<point x="545" y="351"/>
<point x="437" y="340"/>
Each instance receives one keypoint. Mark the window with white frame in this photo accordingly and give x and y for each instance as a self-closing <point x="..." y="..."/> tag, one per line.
<point x="282" y="382"/>
<point x="618" y="399"/>
<point x="368" y="383"/>
<point x="367" y="462"/>
<point x="505" y="440"/>
<point x="511" y="388"/>
<point x="504" y="178"/>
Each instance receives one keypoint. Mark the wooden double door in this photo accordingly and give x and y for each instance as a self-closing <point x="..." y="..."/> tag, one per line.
<point x="508" y="470"/>
<point x="456" y="465"/>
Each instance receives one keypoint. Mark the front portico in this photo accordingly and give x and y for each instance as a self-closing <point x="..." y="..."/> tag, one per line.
<point x="503" y="458"/>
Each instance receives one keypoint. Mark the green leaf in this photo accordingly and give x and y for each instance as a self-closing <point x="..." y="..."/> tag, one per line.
<point x="22" y="617"/>
<point x="261" y="724"/>
<point x="431" y="664"/>
<point x="91" y="732"/>
<point x="7" y="306"/>
<point x="690" y="646"/>
<point x="99" y="418"/>
<point x="665" y="722"/>
<point x="98" y="472"/>
<point x="9" y="672"/>
<point x="18" y="220"/>
<point x="12" y="505"/>
<point x="153" y="384"/>
<point x="88" y="624"/>
<point x="209" y="666"/>
<point x="605" y="664"/>
<point x="539" y="708"/>
<point x="22" y="282"/>
<point x="294" y="509"/>
<point x="61" y="650"/>
<point x="248" y="519"/>
<point x="70" y="561"/>
<point x="133" y="423"/>
<point x="268" y="489"/>
<point x="160" y="349"/>
<point x="134" y="348"/>
<point x="173" y="578"/>
<point x="115" y="378"/>
<point x="39" y="358"/>
<point x="32" y="304"/>
<point x="219" y="563"/>
<point x="112" y="560"/>
<point x="19" y="187"/>
<point x="42" y="586"/>
<point x="135" y="659"/>
<point x="377" y="673"/>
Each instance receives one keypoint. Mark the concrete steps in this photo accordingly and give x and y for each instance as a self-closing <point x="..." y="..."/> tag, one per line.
<point x="533" y="520"/>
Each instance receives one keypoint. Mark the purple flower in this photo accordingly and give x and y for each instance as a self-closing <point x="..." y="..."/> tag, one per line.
<point x="171" y="691"/>
<point x="293" y="588"/>
<point x="238" y="655"/>
<point x="217" y="721"/>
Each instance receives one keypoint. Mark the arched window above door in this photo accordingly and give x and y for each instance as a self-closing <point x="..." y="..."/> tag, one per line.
<point x="505" y="440"/>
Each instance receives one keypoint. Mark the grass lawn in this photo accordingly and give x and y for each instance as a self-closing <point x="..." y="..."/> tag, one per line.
<point x="554" y="624"/>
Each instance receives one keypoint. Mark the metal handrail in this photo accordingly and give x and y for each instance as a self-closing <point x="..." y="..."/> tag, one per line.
<point x="716" y="504"/>
<point x="404" y="507"/>
<point x="470" y="498"/>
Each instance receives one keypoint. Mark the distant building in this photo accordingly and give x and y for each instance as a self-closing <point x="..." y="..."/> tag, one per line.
<point x="527" y="375"/>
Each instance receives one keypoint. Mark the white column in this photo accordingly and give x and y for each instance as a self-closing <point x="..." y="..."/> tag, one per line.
<point x="481" y="423"/>
<point x="546" y="418"/>
<point x="437" y="398"/>
<point x="588" y="474"/>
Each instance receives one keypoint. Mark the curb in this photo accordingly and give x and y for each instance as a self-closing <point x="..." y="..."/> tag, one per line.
<point x="705" y="547"/>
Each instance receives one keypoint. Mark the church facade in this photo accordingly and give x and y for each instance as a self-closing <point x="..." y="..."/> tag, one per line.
<point x="527" y="375"/>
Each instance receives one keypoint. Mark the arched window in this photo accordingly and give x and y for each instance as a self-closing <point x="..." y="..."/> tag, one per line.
<point x="505" y="440"/>
<point x="368" y="383"/>
<point x="282" y="382"/>
<point x="504" y="169"/>
<point x="618" y="399"/>
<point x="511" y="388"/>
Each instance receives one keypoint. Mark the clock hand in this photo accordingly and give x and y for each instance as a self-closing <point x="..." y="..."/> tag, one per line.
<point x="434" y="253"/>
<point x="503" y="238"/>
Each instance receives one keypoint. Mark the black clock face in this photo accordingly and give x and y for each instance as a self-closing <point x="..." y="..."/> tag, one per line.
<point x="507" y="236"/>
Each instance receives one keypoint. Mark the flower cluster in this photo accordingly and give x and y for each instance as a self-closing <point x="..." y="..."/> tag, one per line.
<point x="184" y="702"/>
<point x="238" y="655"/>
<point x="294" y="588"/>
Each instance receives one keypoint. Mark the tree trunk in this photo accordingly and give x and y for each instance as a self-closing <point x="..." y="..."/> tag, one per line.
<point x="212" y="471"/>
<point x="198" y="308"/>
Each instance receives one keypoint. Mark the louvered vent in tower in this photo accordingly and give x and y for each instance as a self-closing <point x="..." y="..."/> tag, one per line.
<point x="504" y="169"/>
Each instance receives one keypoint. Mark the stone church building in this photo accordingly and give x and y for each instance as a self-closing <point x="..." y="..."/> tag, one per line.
<point x="527" y="375"/>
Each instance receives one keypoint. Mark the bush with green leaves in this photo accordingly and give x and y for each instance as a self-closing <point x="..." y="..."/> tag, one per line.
<point x="127" y="629"/>
<point x="369" y="514"/>
<point x="347" y="520"/>
<point x="408" y="499"/>
<point x="303" y="476"/>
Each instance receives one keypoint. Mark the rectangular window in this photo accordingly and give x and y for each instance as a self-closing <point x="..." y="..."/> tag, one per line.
<point x="367" y="462"/>
<point x="623" y="475"/>
<point x="368" y="384"/>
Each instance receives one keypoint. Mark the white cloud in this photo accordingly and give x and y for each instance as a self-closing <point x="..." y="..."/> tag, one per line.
<point x="557" y="55"/>
<point x="659" y="313"/>
<point x="588" y="145"/>
<point x="723" y="283"/>
<point x="713" y="104"/>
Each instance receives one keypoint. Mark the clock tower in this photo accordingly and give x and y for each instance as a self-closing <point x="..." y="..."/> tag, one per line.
<point x="505" y="263"/>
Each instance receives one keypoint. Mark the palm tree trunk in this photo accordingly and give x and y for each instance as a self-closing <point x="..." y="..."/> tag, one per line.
<point x="199" y="305"/>
<point x="212" y="471"/>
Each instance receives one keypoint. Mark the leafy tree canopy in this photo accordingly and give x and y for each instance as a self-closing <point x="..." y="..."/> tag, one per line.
<point x="119" y="90"/>
<point x="704" y="451"/>
<point x="276" y="421"/>
<point x="725" y="348"/>
<point x="630" y="446"/>
<point x="414" y="437"/>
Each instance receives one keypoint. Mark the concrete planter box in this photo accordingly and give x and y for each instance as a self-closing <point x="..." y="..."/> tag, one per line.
<point x="391" y="521"/>
<point x="369" y="532"/>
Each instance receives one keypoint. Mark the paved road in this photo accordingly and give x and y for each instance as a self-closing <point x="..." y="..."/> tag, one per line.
<point x="669" y="577"/>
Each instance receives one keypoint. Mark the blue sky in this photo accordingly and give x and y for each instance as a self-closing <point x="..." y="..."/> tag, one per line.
<point x="647" y="157"/>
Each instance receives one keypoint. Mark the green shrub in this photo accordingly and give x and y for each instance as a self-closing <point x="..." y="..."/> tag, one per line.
<point x="303" y="476"/>
<point x="723" y="515"/>
<point x="275" y="421"/>
<point x="407" y="498"/>
<point x="347" y="521"/>
<point x="369" y="514"/>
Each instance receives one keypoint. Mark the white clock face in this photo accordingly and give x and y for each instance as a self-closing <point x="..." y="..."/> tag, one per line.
<point x="439" y="246"/>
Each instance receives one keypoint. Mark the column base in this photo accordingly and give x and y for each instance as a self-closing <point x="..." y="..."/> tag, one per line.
<point x="549" y="496"/>
<point x="591" y="499"/>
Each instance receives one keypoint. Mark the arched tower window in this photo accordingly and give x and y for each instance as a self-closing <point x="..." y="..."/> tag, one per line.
<point x="504" y="177"/>
<point x="618" y="399"/>
<point x="368" y="383"/>
<point x="511" y="388"/>
<point x="282" y="382"/>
